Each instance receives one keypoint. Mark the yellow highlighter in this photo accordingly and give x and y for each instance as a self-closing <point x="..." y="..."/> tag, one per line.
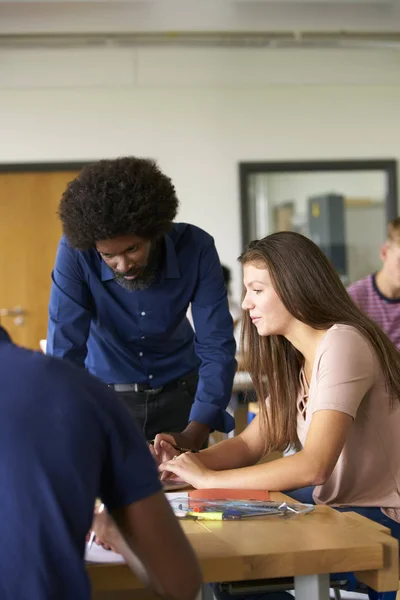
<point x="206" y="516"/>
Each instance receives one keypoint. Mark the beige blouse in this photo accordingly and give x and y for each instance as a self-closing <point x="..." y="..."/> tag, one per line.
<point x="347" y="377"/>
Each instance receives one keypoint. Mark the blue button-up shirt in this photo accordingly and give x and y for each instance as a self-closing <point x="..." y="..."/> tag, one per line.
<point x="124" y="336"/>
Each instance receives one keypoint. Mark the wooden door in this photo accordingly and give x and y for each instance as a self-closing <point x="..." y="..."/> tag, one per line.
<point x="29" y="235"/>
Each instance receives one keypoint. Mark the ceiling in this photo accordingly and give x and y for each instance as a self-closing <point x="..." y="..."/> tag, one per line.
<point x="276" y="23"/>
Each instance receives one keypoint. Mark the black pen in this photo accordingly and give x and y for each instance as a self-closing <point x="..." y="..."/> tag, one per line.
<point x="175" y="447"/>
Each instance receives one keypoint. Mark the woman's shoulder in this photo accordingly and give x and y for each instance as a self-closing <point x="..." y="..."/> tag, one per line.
<point x="346" y="344"/>
<point x="343" y="333"/>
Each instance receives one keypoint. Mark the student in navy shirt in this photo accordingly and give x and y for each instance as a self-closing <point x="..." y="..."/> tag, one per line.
<point x="64" y="440"/>
<point x="124" y="277"/>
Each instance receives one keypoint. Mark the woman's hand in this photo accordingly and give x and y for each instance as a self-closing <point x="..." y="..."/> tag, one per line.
<point x="189" y="468"/>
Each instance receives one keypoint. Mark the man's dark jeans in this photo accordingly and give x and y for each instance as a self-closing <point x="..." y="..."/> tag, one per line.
<point x="166" y="411"/>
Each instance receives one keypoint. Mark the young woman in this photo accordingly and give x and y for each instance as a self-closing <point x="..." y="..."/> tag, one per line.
<point x="331" y="379"/>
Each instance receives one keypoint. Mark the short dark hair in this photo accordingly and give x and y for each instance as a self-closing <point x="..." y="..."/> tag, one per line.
<point x="394" y="230"/>
<point x="117" y="197"/>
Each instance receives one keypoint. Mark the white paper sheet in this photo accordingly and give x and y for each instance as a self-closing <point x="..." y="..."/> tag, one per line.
<point x="97" y="554"/>
<point x="173" y="496"/>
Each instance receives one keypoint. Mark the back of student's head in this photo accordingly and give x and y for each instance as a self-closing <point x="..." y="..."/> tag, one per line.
<point x="393" y="234"/>
<point x="312" y="292"/>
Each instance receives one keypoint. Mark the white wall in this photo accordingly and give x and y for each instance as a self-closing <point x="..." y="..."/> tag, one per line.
<point x="199" y="113"/>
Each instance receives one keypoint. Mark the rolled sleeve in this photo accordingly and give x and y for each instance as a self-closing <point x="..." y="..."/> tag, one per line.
<point x="214" y="345"/>
<point x="211" y="415"/>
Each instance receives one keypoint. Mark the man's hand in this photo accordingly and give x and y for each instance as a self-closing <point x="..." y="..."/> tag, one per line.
<point x="163" y="450"/>
<point x="106" y="532"/>
<point x="192" y="438"/>
<point x="189" y="468"/>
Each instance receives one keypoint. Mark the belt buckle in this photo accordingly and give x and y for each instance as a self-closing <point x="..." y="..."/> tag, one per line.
<point x="155" y="391"/>
<point x="135" y="387"/>
<point x="139" y="387"/>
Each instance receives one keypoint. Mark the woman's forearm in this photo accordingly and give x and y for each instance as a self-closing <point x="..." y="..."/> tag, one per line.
<point x="290" y="472"/>
<point x="228" y="454"/>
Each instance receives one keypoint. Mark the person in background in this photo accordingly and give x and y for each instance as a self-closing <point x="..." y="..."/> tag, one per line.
<point x="378" y="295"/>
<point x="123" y="279"/>
<point x="327" y="380"/>
<point x="66" y="439"/>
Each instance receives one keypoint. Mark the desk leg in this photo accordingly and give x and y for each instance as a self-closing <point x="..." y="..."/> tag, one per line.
<point x="312" y="587"/>
<point x="205" y="593"/>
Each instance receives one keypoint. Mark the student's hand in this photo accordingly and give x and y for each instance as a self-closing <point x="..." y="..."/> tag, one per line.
<point x="106" y="532"/>
<point x="172" y="439"/>
<point x="166" y="451"/>
<point x="189" y="468"/>
<point x="192" y="438"/>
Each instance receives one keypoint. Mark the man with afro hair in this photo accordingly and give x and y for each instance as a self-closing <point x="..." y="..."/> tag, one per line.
<point x="124" y="277"/>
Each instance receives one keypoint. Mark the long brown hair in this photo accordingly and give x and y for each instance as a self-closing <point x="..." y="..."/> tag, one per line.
<point x="312" y="292"/>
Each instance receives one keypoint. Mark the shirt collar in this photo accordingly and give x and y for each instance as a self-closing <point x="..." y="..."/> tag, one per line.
<point x="172" y="270"/>
<point x="106" y="272"/>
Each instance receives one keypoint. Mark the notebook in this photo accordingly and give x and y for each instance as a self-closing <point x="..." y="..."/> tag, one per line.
<point x="97" y="554"/>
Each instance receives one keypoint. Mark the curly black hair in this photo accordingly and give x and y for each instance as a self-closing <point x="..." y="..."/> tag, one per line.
<point x="123" y="196"/>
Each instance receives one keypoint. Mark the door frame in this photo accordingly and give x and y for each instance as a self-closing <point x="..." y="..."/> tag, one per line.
<point x="42" y="167"/>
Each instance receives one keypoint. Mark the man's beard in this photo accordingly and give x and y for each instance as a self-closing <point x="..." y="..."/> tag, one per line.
<point x="141" y="282"/>
<point x="146" y="276"/>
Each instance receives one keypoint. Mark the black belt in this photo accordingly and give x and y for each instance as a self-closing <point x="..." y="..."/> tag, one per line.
<point x="144" y="387"/>
<point x="136" y="387"/>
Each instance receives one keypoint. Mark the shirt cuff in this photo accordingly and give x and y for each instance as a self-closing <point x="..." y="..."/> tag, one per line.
<point x="213" y="416"/>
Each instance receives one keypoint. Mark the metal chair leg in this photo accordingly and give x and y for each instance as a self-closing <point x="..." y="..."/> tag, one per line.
<point x="337" y="593"/>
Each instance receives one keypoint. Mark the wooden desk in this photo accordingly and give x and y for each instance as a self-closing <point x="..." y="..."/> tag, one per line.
<point x="307" y="547"/>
